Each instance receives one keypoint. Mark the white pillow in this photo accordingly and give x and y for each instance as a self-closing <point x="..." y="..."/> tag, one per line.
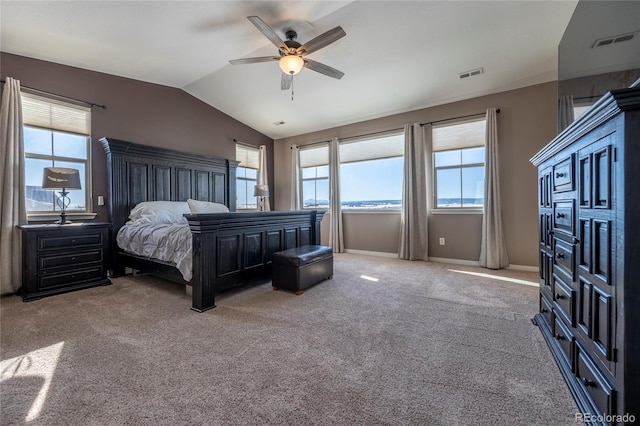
<point x="206" y="207"/>
<point x="160" y="212"/>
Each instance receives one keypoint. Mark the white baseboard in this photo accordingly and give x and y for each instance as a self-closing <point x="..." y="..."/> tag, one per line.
<point x="476" y="263"/>
<point x="371" y="253"/>
<point x="524" y="268"/>
<point x="454" y="261"/>
<point x="441" y="260"/>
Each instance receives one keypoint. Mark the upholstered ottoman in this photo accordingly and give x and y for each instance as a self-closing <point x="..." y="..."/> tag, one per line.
<point x="299" y="268"/>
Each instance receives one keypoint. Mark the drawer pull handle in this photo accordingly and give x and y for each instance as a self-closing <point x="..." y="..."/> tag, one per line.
<point x="586" y="382"/>
<point x="559" y="296"/>
<point x="544" y="310"/>
<point x="73" y="258"/>
<point x="560" y="255"/>
<point x="559" y="336"/>
<point x="559" y="175"/>
<point x="560" y="215"/>
<point x="73" y="241"/>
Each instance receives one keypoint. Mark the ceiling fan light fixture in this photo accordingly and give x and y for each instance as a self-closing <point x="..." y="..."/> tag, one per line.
<point x="291" y="64"/>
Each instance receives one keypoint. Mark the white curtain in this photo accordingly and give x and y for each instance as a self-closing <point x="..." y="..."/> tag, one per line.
<point x="493" y="252"/>
<point x="262" y="181"/>
<point x="565" y="112"/>
<point x="12" y="184"/>
<point x="336" y="239"/>
<point x="296" y="194"/>
<point x="414" y="242"/>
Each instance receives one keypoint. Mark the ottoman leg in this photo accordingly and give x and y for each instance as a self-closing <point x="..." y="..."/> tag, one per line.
<point x="299" y="292"/>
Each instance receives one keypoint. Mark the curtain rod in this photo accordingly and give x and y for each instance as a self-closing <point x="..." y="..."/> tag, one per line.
<point x="248" y="145"/>
<point x="91" y="104"/>
<point x="457" y="118"/>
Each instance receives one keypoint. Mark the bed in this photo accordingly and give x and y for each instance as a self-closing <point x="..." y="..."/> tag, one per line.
<point x="228" y="249"/>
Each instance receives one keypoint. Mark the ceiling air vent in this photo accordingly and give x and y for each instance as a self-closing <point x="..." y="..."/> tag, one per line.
<point x="278" y="123"/>
<point x="613" y="40"/>
<point x="471" y="73"/>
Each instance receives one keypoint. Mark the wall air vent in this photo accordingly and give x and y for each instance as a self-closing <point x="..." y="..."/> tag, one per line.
<point x="471" y="73"/>
<point x="613" y="40"/>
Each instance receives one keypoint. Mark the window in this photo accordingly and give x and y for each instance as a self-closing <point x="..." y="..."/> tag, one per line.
<point x="246" y="176"/>
<point x="56" y="134"/>
<point x="314" y="163"/>
<point x="458" y="160"/>
<point x="371" y="172"/>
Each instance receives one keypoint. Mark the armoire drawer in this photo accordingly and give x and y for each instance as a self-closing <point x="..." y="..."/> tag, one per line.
<point x="591" y="380"/>
<point x="563" y="175"/>
<point x="563" y="215"/>
<point x="564" y="296"/>
<point x="563" y="257"/>
<point x="565" y="339"/>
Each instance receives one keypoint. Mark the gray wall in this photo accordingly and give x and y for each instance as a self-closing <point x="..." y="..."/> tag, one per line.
<point x="145" y="113"/>
<point x="526" y="123"/>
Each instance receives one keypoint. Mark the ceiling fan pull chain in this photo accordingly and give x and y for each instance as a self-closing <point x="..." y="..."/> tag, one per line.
<point x="291" y="87"/>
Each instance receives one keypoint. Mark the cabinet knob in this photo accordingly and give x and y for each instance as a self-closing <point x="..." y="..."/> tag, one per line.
<point x="586" y="382"/>
<point x="73" y="258"/>
<point x="559" y="215"/>
<point x="559" y="296"/>
<point x="559" y="337"/>
<point x="544" y="310"/>
<point x="560" y="256"/>
<point x="559" y="175"/>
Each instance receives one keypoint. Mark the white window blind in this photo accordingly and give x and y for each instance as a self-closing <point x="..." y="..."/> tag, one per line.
<point x="372" y="149"/>
<point x="462" y="134"/>
<point x="248" y="157"/>
<point x="47" y="113"/>
<point x="314" y="156"/>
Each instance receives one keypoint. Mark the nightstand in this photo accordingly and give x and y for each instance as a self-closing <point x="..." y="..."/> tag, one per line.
<point x="61" y="258"/>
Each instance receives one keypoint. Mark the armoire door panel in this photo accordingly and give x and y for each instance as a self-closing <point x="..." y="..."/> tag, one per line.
<point x="602" y="249"/>
<point x="602" y="178"/>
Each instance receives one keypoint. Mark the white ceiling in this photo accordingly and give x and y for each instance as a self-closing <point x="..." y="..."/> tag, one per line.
<point x="397" y="56"/>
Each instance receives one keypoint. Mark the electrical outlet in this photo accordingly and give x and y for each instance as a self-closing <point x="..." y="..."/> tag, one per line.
<point x="441" y="241"/>
<point x="100" y="200"/>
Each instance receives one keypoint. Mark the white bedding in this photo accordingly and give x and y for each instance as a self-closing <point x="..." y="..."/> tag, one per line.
<point x="170" y="242"/>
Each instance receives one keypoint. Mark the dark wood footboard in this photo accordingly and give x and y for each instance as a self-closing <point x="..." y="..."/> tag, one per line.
<point x="232" y="248"/>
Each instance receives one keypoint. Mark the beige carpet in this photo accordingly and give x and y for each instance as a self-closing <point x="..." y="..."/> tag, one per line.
<point x="386" y="342"/>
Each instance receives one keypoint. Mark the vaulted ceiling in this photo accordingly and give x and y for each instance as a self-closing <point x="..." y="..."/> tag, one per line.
<point x="397" y="56"/>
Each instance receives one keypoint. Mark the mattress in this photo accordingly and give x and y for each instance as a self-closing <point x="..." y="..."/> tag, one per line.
<point x="169" y="242"/>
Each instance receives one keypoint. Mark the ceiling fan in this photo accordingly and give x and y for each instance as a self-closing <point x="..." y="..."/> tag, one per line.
<point x="292" y="54"/>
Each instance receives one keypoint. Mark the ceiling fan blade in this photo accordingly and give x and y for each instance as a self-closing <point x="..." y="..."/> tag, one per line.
<point x="322" y="40"/>
<point x="267" y="31"/>
<point x="323" y="69"/>
<point x="285" y="81"/>
<point x="254" y="60"/>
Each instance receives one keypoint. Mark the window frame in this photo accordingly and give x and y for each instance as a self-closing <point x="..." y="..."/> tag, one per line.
<point x="252" y="161"/>
<point x="434" y="187"/>
<point x="315" y="163"/>
<point x="47" y="215"/>
<point x="373" y="138"/>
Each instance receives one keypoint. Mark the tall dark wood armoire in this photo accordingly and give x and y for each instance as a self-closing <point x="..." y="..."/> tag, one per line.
<point x="589" y="240"/>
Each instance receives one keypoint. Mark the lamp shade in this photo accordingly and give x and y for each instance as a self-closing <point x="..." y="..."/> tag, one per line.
<point x="60" y="178"/>
<point x="291" y="64"/>
<point x="261" y="191"/>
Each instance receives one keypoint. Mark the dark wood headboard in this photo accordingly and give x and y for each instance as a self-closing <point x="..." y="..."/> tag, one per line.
<point x="139" y="173"/>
